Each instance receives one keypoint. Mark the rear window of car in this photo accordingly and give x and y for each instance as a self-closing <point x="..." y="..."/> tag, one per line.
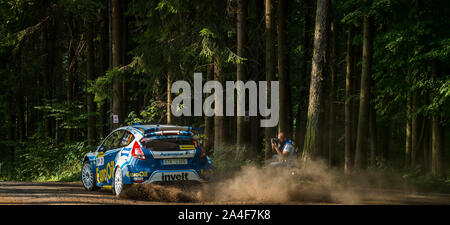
<point x="170" y="145"/>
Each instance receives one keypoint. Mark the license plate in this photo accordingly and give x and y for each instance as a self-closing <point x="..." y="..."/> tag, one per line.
<point x="175" y="161"/>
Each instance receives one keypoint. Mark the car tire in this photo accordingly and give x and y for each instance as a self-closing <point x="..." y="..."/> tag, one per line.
<point x="87" y="177"/>
<point x="118" y="186"/>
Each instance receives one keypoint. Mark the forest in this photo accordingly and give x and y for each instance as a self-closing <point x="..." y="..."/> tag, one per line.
<point x="363" y="84"/>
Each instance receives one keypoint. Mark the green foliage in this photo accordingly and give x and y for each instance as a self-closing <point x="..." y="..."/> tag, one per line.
<point x="42" y="159"/>
<point x="408" y="43"/>
<point x="210" y="48"/>
<point x="67" y="118"/>
<point x="101" y="87"/>
<point x="151" y="114"/>
<point x="168" y="5"/>
<point x="230" y="159"/>
<point x="426" y="182"/>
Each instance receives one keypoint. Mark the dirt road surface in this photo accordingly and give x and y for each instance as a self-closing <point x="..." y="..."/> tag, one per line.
<point x="44" y="193"/>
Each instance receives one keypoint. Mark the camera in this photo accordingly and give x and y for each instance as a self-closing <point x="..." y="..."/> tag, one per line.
<point x="275" y="140"/>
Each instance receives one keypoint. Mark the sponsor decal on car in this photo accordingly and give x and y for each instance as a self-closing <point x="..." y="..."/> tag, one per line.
<point x="106" y="173"/>
<point x="125" y="152"/>
<point x="100" y="160"/>
<point x="183" y="154"/>
<point x="140" y="174"/>
<point x="174" y="177"/>
<point x="187" y="147"/>
<point x="171" y="153"/>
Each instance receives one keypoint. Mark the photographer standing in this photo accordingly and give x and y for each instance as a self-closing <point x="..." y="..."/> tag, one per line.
<point x="284" y="148"/>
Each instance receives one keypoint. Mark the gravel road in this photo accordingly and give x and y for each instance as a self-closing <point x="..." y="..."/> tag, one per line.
<point x="44" y="193"/>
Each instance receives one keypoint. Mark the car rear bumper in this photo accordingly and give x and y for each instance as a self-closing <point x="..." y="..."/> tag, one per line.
<point x="148" y="174"/>
<point x="174" y="176"/>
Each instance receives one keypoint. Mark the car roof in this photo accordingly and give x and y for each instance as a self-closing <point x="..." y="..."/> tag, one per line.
<point x="141" y="130"/>
<point x="145" y="128"/>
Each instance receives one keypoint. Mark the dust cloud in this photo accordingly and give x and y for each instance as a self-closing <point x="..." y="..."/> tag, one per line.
<point x="314" y="183"/>
<point x="159" y="193"/>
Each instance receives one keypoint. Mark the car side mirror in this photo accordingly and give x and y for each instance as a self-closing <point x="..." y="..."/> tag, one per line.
<point x="101" y="149"/>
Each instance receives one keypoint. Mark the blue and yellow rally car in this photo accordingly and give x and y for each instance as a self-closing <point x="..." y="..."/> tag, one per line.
<point x="145" y="154"/>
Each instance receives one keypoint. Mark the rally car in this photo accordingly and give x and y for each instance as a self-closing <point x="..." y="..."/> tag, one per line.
<point x="145" y="154"/>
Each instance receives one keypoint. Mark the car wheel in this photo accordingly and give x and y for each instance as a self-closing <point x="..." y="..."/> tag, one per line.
<point x="87" y="177"/>
<point x="118" y="185"/>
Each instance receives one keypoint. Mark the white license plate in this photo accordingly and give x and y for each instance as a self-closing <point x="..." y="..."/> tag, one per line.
<point x="175" y="161"/>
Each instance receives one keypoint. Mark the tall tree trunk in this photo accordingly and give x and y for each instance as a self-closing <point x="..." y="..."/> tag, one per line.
<point x="437" y="151"/>
<point x="285" y="122"/>
<point x="408" y="141"/>
<point x="357" y="53"/>
<point x="437" y="136"/>
<point x="313" y="139"/>
<point x="301" y="115"/>
<point x="104" y="64"/>
<point x="20" y="100"/>
<point x="333" y="93"/>
<point x="256" y="138"/>
<point x="90" y="73"/>
<point x="426" y="138"/>
<point x="417" y="127"/>
<point x="364" y="99"/>
<point x="49" y="34"/>
<point x="219" y="121"/>
<point x="426" y="146"/>
<point x="117" y="108"/>
<point x="72" y="64"/>
<point x="269" y="61"/>
<point x="123" y="55"/>
<point x="10" y="124"/>
<point x="209" y="121"/>
<point x="242" y="125"/>
<point x="21" y="112"/>
<point x="373" y="135"/>
<point x="169" y="96"/>
<point x="348" y="102"/>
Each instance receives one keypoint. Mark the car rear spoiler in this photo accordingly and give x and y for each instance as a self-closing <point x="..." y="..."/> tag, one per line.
<point x="171" y="130"/>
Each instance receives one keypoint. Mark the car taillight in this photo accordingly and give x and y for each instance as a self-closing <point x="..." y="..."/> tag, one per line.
<point x="137" y="152"/>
